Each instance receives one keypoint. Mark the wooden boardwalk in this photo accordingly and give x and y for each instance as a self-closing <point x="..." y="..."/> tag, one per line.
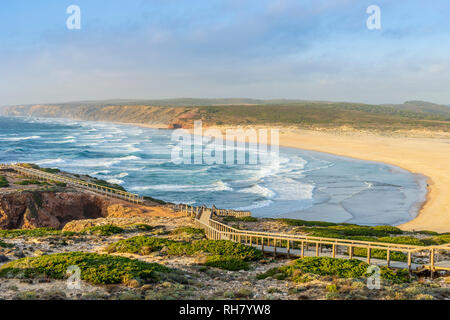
<point x="300" y="246"/>
<point x="103" y="190"/>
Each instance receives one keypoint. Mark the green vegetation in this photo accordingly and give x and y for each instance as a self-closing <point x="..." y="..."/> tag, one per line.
<point x="188" y="230"/>
<point x="40" y="232"/>
<point x="299" y="269"/>
<point x="3" y="182"/>
<point x="50" y="170"/>
<point x="386" y="234"/>
<point x="326" y="115"/>
<point x="243" y="219"/>
<point x="139" y="227"/>
<point x="31" y="182"/>
<point x="106" y="230"/>
<point x="223" y="254"/>
<point x="154" y="200"/>
<point x="95" y="268"/>
<point x="5" y="245"/>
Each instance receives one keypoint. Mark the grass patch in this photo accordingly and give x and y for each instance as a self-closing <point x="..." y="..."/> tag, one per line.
<point x="223" y="254"/>
<point x="30" y="182"/>
<point x="139" y="227"/>
<point x="301" y="223"/>
<point x="106" y="230"/>
<point x="188" y="230"/>
<point x="3" y="182"/>
<point x="5" y="245"/>
<point x="299" y="269"/>
<point x="95" y="268"/>
<point x="155" y="200"/>
<point x="243" y="219"/>
<point x="39" y="232"/>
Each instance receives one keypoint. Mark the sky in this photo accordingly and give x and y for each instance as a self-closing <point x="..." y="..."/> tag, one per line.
<point x="156" y="49"/>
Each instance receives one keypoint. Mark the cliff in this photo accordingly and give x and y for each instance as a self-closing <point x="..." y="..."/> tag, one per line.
<point x="28" y="210"/>
<point x="157" y="116"/>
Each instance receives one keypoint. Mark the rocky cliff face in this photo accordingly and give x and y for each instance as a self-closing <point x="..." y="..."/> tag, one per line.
<point x="158" y="116"/>
<point x="28" y="210"/>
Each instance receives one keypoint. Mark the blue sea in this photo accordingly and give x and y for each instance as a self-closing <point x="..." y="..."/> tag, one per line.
<point x="305" y="185"/>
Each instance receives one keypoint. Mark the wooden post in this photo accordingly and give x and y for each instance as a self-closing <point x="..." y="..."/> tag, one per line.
<point x="368" y="255"/>
<point x="262" y="245"/>
<point x="409" y="260"/>
<point x="317" y="249"/>
<point x="350" y="252"/>
<point x="432" y="262"/>
<point x="388" y="257"/>
<point x="302" y="252"/>
<point x="334" y="251"/>
<point x="288" y="249"/>
<point x="275" y="247"/>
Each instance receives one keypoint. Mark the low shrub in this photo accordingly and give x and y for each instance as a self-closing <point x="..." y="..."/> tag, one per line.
<point x="223" y="254"/>
<point x="95" y="268"/>
<point x="188" y="230"/>
<point x="5" y="245"/>
<point x="325" y="266"/>
<point x="106" y="230"/>
<point x="142" y="227"/>
<point x="299" y="223"/>
<point x="227" y="263"/>
<point x="243" y="219"/>
<point x="30" y="182"/>
<point x="39" y="232"/>
<point x="3" y="182"/>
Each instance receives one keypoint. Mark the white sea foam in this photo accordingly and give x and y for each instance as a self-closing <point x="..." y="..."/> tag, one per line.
<point x="217" y="186"/>
<point x="50" y="161"/>
<point x="21" y="138"/>
<point x="115" y="181"/>
<point x="257" y="189"/>
<point x="256" y="205"/>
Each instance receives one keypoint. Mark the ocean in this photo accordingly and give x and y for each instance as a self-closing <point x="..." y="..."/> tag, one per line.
<point x="303" y="185"/>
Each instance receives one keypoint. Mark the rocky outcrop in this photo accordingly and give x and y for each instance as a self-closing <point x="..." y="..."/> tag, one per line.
<point x="28" y="210"/>
<point x="158" y="116"/>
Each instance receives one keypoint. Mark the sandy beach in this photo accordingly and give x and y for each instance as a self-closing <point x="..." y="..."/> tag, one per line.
<point x="423" y="155"/>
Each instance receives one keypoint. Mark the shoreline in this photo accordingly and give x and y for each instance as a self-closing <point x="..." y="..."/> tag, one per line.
<point x="429" y="157"/>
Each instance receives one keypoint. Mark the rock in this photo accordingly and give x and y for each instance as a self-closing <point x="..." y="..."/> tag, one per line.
<point x="3" y="258"/>
<point x="133" y="283"/>
<point x="19" y="254"/>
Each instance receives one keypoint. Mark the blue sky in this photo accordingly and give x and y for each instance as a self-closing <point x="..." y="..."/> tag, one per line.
<point x="311" y="49"/>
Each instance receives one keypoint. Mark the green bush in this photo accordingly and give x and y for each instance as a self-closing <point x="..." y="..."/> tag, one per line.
<point x="325" y="266"/>
<point x="39" y="232"/>
<point x="380" y="254"/>
<point x="106" y="230"/>
<point x="30" y="182"/>
<point x="95" y="268"/>
<point x="299" y="223"/>
<point x="5" y="245"/>
<point x="3" y="182"/>
<point x="243" y="219"/>
<point x="50" y="170"/>
<point x="223" y="254"/>
<point x="188" y="230"/>
<point x="226" y="263"/>
<point x="139" y="227"/>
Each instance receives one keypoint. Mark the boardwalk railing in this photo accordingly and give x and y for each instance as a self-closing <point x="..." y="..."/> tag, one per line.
<point x="299" y="245"/>
<point x="193" y="211"/>
<point x="107" y="191"/>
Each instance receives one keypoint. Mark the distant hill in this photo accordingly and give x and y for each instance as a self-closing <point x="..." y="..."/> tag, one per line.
<point x="240" y="111"/>
<point x="424" y="107"/>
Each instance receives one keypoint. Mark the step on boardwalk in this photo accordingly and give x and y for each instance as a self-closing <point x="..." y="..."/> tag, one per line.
<point x="301" y="246"/>
<point x="103" y="190"/>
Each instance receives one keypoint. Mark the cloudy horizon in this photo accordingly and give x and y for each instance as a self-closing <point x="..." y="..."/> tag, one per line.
<point x="266" y="49"/>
